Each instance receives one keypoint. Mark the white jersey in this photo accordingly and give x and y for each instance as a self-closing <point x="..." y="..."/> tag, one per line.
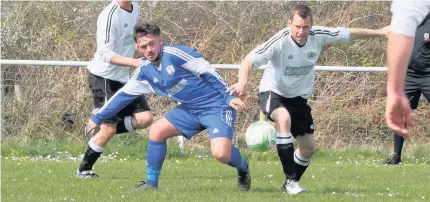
<point x="407" y="15"/>
<point x="114" y="35"/>
<point x="289" y="67"/>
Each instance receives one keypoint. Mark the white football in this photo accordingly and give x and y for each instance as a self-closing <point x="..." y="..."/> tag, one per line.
<point x="260" y="136"/>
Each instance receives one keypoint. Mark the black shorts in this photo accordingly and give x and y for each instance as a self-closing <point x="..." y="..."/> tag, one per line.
<point x="416" y="85"/>
<point x="300" y="112"/>
<point x="103" y="89"/>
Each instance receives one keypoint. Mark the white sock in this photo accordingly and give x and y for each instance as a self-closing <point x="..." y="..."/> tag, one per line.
<point x="128" y="124"/>
<point x="95" y="147"/>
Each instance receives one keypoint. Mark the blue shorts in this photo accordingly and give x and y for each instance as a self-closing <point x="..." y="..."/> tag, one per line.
<point x="218" y="121"/>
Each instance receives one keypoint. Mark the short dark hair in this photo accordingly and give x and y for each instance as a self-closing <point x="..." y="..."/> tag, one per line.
<point x="143" y="29"/>
<point x="303" y="11"/>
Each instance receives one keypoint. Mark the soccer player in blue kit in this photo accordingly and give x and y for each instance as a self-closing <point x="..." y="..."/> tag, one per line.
<point x="182" y="74"/>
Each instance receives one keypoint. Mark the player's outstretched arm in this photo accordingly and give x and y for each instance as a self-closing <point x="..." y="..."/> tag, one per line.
<point x="363" y="33"/>
<point x="115" y="104"/>
<point x="120" y="60"/>
<point x="124" y="96"/>
<point x="239" y="88"/>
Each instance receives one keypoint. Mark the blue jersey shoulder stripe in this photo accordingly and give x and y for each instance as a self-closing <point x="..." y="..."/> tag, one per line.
<point x="178" y="52"/>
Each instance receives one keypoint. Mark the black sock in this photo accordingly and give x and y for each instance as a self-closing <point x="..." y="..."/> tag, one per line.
<point x="286" y="155"/>
<point x="300" y="170"/>
<point x="301" y="165"/>
<point x="398" y="145"/>
<point x="89" y="159"/>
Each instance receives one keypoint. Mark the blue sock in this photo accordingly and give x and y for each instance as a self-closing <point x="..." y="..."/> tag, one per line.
<point x="237" y="161"/>
<point x="155" y="155"/>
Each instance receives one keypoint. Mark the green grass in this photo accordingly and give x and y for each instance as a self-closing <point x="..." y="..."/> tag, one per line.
<point x="343" y="175"/>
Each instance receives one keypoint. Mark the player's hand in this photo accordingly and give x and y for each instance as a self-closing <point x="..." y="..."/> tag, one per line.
<point x="397" y="113"/>
<point x="238" y="89"/>
<point x="237" y="104"/>
<point x="384" y="31"/>
<point x="91" y="125"/>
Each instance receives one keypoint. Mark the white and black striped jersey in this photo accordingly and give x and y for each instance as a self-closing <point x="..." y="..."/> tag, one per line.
<point x="289" y="67"/>
<point x="407" y="15"/>
<point x="114" y="35"/>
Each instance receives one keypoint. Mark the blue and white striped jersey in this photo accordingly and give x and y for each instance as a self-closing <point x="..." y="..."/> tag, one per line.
<point x="183" y="75"/>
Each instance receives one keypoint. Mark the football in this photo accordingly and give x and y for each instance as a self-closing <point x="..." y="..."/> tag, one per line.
<point x="260" y="136"/>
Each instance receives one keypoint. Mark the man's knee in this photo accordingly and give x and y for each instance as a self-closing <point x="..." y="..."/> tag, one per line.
<point x="222" y="154"/>
<point x="162" y="130"/>
<point x="221" y="149"/>
<point x="143" y="119"/>
<point x="155" y="133"/>
<point x="281" y="116"/>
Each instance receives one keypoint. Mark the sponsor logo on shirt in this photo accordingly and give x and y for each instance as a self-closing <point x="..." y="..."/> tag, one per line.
<point x="294" y="71"/>
<point x="178" y="87"/>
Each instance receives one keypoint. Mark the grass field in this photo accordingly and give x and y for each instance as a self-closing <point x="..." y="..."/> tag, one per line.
<point x="343" y="175"/>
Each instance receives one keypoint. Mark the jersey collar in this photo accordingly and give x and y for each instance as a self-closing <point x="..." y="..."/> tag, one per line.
<point x="129" y="11"/>
<point x="298" y="43"/>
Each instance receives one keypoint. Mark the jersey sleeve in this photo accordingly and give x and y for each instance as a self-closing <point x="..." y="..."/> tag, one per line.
<point x="191" y="60"/>
<point x="107" y="25"/>
<point x="135" y="87"/>
<point x="330" y="35"/>
<point x="407" y="16"/>
<point x="266" y="51"/>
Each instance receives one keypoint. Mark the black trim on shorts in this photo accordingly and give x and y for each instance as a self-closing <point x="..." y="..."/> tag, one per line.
<point x="300" y="112"/>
